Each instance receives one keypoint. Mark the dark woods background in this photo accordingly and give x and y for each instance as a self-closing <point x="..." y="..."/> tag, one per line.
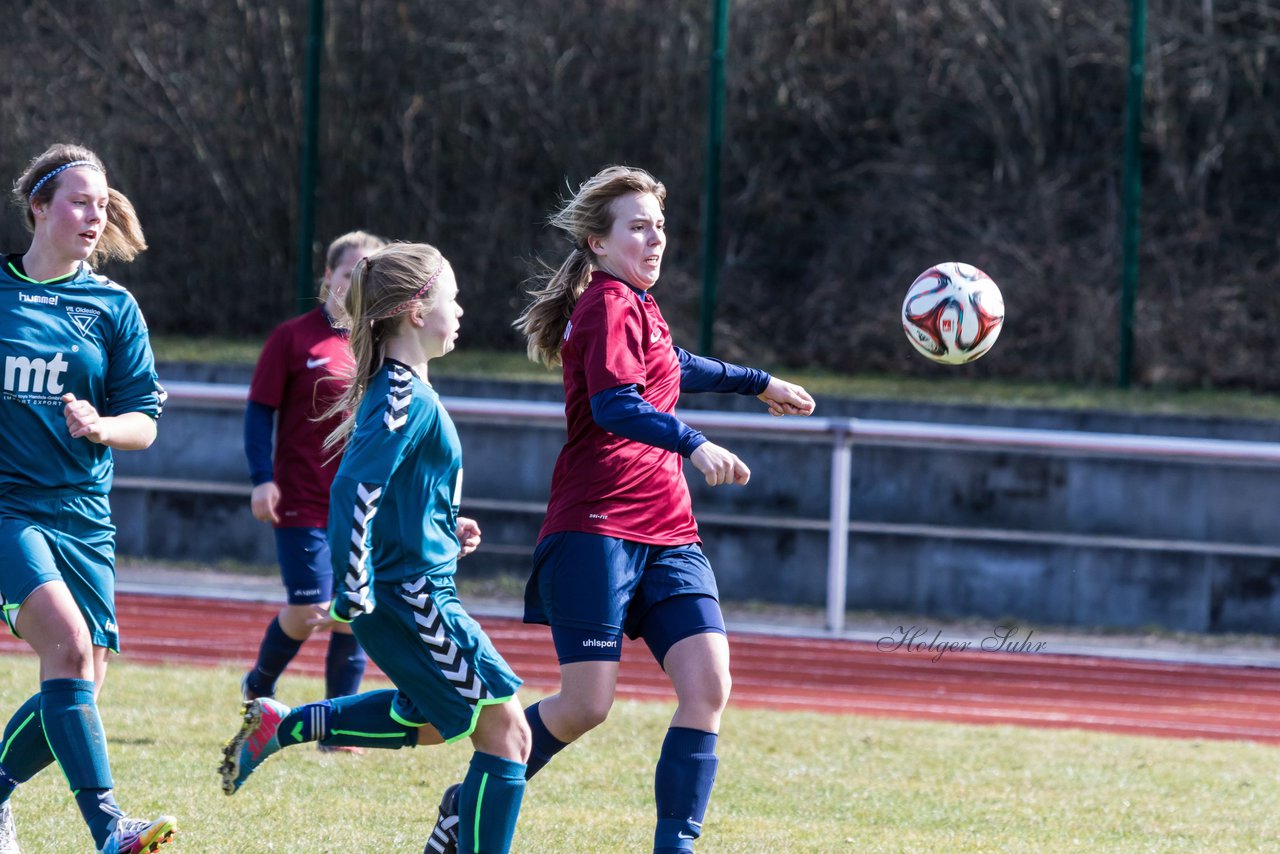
<point x="865" y="141"/>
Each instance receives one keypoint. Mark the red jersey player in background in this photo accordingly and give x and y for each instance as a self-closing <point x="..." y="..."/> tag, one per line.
<point x="619" y="550"/>
<point x="304" y="367"/>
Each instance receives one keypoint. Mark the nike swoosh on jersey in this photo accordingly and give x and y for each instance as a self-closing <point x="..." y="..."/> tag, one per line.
<point x="315" y="363"/>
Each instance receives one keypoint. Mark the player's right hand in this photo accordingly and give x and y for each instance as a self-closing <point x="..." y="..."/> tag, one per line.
<point x="719" y="465"/>
<point x="264" y="500"/>
<point x="354" y="596"/>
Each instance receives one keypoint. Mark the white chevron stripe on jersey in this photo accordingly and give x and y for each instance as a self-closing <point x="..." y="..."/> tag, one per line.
<point x="398" y="397"/>
<point x="365" y="509"/>
<point x="447" y="654"/>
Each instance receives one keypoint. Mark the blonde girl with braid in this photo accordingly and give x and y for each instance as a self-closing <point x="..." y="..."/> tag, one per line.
<point x="299" y="374"/>
<point x="396" y="536"/>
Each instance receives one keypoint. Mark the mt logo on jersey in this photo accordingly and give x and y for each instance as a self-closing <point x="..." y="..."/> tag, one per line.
<point x="23" y="375"/>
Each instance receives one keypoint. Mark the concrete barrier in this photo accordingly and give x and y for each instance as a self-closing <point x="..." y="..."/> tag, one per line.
<point x="1059" y="535"/>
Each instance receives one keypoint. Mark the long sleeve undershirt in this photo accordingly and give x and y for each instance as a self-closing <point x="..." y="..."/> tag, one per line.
<point x="622" y="411"/>
<point x="259" y="430"/>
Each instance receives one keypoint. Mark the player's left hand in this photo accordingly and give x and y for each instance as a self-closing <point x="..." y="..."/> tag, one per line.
<point x="321" y="620"/>
<point x="784" y="398"/>
<point x="83" y="420"/>
<point x="468" y="535"/>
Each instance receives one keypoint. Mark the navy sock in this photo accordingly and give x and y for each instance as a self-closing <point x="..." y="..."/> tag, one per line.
<point x="344" y="665"/>
<point x="682" y="787"/>
<point x="24" y="752"/>
<point x="545" y="745"/>
<point x="274" y="654"/>
<point x="489" y="804"/>
<point x="358" y="720"/>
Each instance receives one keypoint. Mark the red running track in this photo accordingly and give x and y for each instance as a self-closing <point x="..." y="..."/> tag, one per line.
<point x="1168" y="699"/>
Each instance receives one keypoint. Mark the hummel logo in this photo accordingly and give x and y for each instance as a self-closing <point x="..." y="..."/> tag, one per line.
<point x="312" y="364"/>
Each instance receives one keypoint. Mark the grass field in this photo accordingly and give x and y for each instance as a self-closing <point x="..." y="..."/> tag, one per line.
<point x="788" y="782"/>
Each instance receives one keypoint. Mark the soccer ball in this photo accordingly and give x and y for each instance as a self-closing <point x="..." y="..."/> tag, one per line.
<point x="953" y="313"/>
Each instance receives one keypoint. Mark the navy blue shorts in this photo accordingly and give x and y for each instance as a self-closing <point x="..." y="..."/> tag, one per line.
<point x="305" y="565"/>
<point x="592" y="589"/>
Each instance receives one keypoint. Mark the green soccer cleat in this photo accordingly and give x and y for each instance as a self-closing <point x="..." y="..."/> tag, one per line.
<point x="136" y="835"/>
<point x="253" y="744"/>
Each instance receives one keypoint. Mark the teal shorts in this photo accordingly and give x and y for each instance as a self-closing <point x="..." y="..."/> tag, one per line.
<point x="444" y="666"/>
<point x="60" y="535"/>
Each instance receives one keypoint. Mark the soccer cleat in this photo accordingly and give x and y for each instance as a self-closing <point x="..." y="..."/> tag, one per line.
<point x="8" y="833"/>
<point x="253" y="744"/>
<point x="444" y="836"/>
<point x="136" y="835"/>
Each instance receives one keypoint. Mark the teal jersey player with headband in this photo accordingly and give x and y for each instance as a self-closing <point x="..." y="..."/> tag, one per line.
<point x="77" y="383"/>
<point x="82" y="335"/>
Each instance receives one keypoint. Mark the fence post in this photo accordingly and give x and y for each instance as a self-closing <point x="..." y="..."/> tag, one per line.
<point x="838" y="526"/>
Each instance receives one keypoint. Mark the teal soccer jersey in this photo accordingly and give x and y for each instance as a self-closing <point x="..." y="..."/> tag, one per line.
<point x="393" y="516"/>
<point x="393" y="508"/>
<point x="85" y="336"/>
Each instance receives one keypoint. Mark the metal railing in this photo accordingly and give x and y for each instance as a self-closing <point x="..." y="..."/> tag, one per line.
<point x="841" y="434"/>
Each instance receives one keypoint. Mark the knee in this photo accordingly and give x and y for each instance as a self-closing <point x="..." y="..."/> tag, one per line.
<point x="71" y="660"/>
<point x="586" y="713"/>
<point x="710" y="694"/>
<point x="296" y="620"/>
<point x="509" y="738"/>
<point x="520" y="740"/>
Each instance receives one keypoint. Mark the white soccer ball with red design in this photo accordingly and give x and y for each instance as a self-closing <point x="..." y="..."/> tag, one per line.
<point x="953" y="313"/>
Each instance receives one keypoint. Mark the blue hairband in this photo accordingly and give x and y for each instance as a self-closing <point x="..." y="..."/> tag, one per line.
<point x="64" y="167"/>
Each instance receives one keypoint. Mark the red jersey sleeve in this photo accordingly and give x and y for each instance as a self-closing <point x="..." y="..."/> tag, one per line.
<point x="612" y="342"/>
<point x="271" y="373"/>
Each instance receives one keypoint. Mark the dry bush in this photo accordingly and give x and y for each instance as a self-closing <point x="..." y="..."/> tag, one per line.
<point x="864" y="142"/>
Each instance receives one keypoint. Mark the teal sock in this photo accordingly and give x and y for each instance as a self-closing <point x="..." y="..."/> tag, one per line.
<point x="359" y="720"/>
<point x="98" y="806"/>
<point x="24" y="752"/>
<point x="489" y="803"/>
<point x="71" y="723"/>
<point x="69" y="716"/>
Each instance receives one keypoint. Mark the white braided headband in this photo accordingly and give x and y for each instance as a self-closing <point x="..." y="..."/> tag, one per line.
<point x="64" y="167"/>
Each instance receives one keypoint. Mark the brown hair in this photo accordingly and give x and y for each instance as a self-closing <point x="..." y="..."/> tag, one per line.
<point x="383" y="286"/>
<point x="122" y="237"/>
<point x="588" y="213"/>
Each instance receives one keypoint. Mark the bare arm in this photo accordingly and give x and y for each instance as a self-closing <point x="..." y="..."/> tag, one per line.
<point x="132" y="431"/>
